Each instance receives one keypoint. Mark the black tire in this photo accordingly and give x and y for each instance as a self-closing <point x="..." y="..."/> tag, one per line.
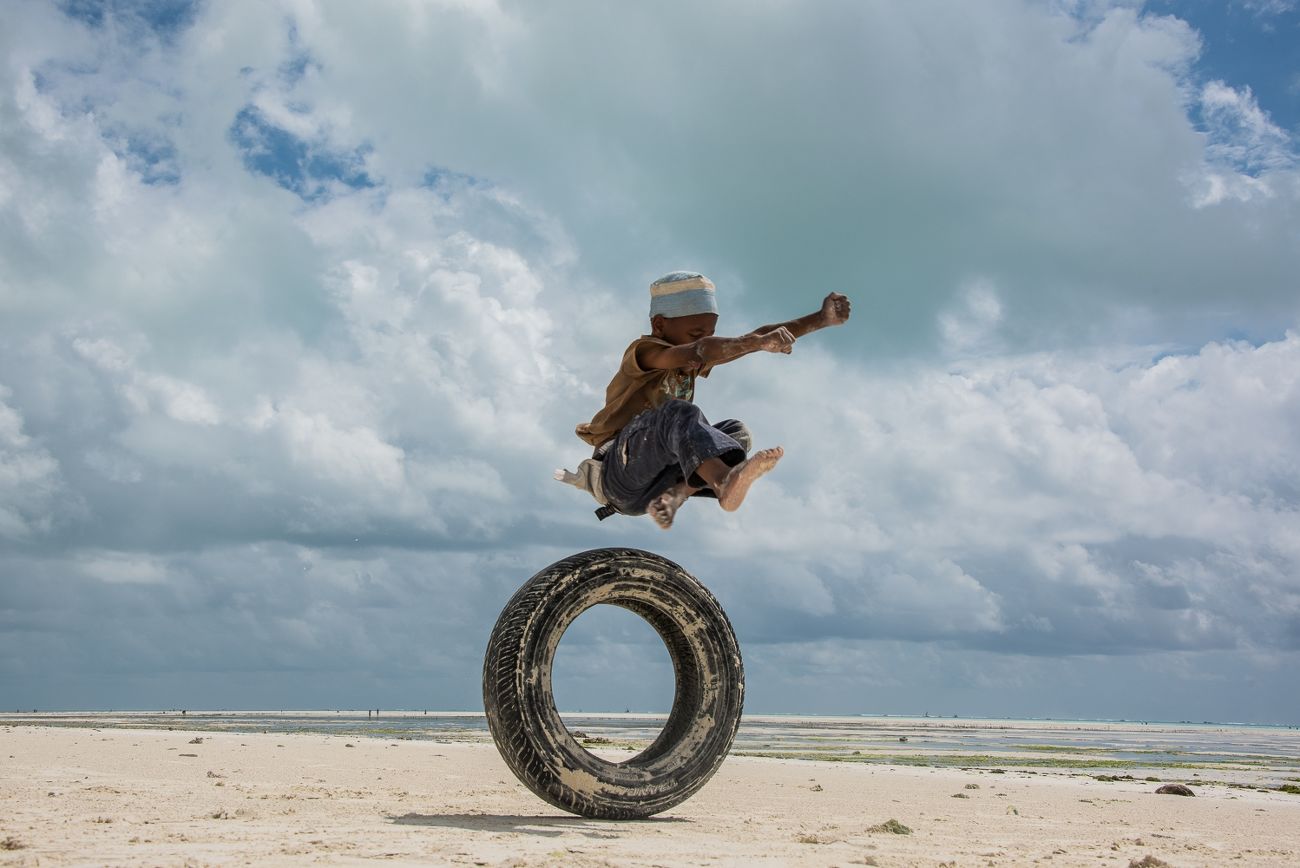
<point x="707" y="701"/>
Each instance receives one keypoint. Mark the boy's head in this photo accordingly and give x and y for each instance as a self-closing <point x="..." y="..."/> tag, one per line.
<point x="682" y="307"/>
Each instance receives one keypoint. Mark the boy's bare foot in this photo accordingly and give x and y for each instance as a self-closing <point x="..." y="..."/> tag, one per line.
<point x="735" y="485"/>
<point x="664" y="507"/>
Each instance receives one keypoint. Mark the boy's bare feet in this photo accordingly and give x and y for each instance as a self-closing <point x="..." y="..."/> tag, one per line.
<point x="664" y="507"/>
<point x="735" y="485"/>
<point x="731" y="489"/>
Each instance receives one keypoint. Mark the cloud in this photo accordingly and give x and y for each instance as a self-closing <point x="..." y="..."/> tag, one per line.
<point x="312" y="373"/>
<point x="29" y="479"/>
<point x="297" y="165"/>
<point x="301" y="303"/>
<point x="904" y="190"/>
<point x="146" y="393"/>
<point x="1244" y="148"/>
<point x="1240" y="134"/>
<point x="868" y="160"/>
<point x="1104" y="503"/>
<point x="1267" y="8"/>
<point x="970" y="324"/>
<point x="134" y="18"/>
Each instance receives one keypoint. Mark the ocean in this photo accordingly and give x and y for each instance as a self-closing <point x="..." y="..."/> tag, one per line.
<point x="967" y="742"/>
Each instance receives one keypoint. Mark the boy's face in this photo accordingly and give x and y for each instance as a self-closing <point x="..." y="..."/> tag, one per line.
<point x="678" y="330"/>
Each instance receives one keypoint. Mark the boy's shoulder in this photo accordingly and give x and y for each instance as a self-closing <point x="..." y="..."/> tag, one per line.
<point x="634" y="346"/>
<point x="630" y="363"/>
<point x="648" y="339"/>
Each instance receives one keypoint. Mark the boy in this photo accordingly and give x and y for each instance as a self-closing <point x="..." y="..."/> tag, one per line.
<point x="654" y="448"/>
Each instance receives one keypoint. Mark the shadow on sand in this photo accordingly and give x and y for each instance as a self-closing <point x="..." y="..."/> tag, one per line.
<point x="529" y="824"/>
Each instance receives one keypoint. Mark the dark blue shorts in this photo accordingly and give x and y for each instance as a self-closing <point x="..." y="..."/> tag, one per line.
<point x="663" y="447"/>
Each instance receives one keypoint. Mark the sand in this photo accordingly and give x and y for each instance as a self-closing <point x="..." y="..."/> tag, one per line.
<point x="79" y="796"/>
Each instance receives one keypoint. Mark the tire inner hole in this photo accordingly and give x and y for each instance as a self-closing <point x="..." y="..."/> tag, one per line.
<point x="612" y="681"/>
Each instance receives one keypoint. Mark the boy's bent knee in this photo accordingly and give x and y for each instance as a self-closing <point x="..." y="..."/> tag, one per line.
<point x="738" y="431"/>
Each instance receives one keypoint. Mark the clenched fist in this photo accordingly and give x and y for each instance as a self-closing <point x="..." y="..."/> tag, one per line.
<point x="835" y="309"/>
<point x="778" y="340"/>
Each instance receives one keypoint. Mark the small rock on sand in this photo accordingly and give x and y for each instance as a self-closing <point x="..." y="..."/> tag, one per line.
<point x="1148" y="861"/>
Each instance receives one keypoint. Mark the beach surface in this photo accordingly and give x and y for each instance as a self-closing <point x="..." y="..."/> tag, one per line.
<point x="80" y="795"/>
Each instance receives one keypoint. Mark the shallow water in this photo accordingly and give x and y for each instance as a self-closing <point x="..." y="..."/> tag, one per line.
<point x="1109" y="745"/>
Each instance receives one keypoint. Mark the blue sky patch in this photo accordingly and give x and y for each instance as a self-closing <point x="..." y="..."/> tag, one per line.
<point x="166" y="18"/>
<point x="308" y="169"/>
<point x="1248" y="43"/>
<point x="442" y="181"/>
<point x="295" y="68"/>
<point x="300" y="60"/>
<point x="153" y="159"/>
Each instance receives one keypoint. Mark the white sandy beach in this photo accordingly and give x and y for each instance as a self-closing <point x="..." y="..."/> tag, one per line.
<point x="156" y="797"/>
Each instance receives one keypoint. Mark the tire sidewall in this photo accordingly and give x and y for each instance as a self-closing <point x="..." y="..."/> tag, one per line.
<point x="709" y="690"/>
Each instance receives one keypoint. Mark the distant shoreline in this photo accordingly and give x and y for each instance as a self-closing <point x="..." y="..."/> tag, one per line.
<point x="1244" y="755"/>
<point x="771" y="717"/>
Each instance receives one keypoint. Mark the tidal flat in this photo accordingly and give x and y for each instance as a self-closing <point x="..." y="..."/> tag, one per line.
<point x="270" y="788"/>
<point x="1239" y="755"/>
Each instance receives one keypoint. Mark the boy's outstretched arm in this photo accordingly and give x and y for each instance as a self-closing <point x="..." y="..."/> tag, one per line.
<point x="706" y="352"/>
<point x="835" y="310"/>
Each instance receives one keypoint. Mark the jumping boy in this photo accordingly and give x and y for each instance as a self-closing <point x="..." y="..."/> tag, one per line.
<point x="654" y="448"/>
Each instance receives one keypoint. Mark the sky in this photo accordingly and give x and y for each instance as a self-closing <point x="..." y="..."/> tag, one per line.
<point x="301" y="301"/>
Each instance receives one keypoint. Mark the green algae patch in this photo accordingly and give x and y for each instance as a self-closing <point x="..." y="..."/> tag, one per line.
<point x="964" y="760"/>
<point x="891" y="826"/>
